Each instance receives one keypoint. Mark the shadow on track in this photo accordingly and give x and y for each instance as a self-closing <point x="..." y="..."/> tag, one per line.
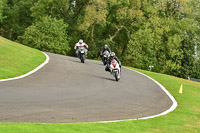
<point x="104" y="78"/>
<point x="77" y="61"/>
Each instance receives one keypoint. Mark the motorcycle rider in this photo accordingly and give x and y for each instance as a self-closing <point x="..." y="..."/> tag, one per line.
<point x="104" y="49"/>
<point x="112" y="56"/>
<point x="81" y="44"/>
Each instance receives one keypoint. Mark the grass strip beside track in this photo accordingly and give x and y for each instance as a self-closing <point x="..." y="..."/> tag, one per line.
<point x="184" y="119"/>
<point x="17" y="59"/>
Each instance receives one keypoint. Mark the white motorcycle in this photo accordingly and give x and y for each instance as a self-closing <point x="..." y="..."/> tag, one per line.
<point x="115" y="69"/>
<point x="82" y="53"/>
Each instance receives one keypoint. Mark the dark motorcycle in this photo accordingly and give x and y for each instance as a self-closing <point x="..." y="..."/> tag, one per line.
<point x="105" y="57"/>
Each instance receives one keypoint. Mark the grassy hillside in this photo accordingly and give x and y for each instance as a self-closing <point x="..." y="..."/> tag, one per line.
<point x="17" y="59"/>
<point x="184" y="119"/>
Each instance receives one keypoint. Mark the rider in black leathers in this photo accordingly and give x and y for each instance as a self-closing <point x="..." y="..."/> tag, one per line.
<point x="104" y="49"/>
<point x="112" y="56"/>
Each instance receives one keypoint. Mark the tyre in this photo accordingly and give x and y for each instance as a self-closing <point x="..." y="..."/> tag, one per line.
<point x="83" y="58"/>
<point x="104" y="62"/>
<point x="116" y="76"/>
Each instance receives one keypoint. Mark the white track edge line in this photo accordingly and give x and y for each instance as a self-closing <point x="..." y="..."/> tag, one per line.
<point x="173" y="107"/>
<point x="31" y="72"/>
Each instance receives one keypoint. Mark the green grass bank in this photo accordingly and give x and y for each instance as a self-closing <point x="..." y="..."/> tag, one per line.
<point x="17" y="59"/>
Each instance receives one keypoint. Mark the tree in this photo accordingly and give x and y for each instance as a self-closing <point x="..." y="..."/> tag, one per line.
<point x="174" y="8"/>
<point x="3" y="6"/>
<point x="194" y="13"/>
<point x="124" y="18"/>
<point x="190" y="35"/>
<point x="56" y="8"/>
<point x="95" y="13"/>
<point x="17" y="17"/>
<point x="1" y="10"/>
<point x="49" y="35"/>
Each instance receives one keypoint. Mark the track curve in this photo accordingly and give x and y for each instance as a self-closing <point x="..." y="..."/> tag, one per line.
<point x="66" y="90"/>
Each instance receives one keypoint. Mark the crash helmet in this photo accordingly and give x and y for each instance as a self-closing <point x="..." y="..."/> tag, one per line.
<point x="112" y="54"/>
<point x="105" y="46"/>
<point x="80" y="41"/>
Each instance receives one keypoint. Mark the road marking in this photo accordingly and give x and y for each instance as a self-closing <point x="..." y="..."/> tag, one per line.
<point x="173" y="107"/>
<point x="31" y="72"/>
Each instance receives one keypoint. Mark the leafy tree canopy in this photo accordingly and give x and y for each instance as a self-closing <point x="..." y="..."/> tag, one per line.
<point x="49" y="34"/>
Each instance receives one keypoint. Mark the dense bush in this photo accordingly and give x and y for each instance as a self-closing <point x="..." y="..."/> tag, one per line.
<point x="49" y="35"/>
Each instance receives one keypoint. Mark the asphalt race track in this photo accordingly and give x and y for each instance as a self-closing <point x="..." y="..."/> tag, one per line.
<point x="67" y="91"/>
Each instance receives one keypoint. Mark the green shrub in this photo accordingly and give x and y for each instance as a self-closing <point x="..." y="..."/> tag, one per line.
<point x="49" y="35"/>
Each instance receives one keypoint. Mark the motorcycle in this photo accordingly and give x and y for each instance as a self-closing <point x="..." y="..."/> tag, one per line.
<point x="82" y="53"/>
<point x="115" y="69"/>
<point x="105" y="57"/>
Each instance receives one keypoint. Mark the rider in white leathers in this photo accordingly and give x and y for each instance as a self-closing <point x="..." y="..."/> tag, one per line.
<point x="82" y="44"/>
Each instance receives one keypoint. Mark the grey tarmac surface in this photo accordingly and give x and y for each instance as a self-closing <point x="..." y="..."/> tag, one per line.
<point x="67" y="91"/>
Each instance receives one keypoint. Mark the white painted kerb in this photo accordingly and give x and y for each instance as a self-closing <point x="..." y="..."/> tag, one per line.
<point x="29" y="73"/>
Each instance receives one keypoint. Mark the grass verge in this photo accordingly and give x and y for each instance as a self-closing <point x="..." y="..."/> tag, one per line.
<point x="17" y="59"/>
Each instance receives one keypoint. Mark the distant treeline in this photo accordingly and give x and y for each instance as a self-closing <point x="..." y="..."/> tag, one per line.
<point x="164" y="34"/>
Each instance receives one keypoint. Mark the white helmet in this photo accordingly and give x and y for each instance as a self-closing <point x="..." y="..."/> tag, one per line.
<point x="80" y="41"/>
<point x="112" y="54"/>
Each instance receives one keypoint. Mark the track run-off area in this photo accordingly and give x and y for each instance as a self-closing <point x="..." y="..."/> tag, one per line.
<point x="68" y="91"/>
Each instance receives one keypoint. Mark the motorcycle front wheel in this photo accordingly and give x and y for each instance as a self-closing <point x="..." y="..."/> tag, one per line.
<point x="82" y="58"/>
<point x="104" y="61"/>
<point x="117" y="76"/>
